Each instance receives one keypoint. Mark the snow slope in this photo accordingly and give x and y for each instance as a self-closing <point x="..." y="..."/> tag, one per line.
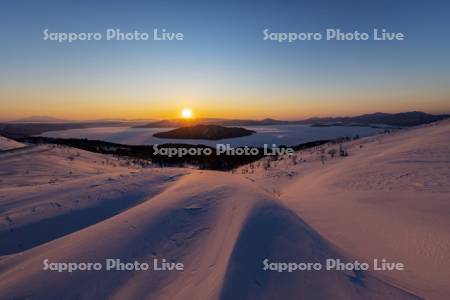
<point x="8" y="144"/>
<point x="221" y="231"/>
<point x="387" y="199"/>
<point x="48" y="191"/>
<point x="395" y="191"/>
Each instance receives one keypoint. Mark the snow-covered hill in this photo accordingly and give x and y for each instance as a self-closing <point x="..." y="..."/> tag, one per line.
<point x="386" y="199"/>
<point x="8" y="144"/>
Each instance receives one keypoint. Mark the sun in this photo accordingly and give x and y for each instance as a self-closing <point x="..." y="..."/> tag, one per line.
<point x="186" y="113"/>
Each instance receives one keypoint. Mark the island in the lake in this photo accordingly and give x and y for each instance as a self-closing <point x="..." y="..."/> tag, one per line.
<point x="204" y="132"/>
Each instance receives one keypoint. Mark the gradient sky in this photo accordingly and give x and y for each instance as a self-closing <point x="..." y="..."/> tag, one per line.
<point x="223" y="68"/>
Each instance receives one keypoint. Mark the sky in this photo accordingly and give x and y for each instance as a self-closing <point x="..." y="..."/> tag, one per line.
<point x="223" y="67"/>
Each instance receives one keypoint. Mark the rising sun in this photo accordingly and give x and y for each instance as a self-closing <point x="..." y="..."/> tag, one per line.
<point x="186" y="113"/>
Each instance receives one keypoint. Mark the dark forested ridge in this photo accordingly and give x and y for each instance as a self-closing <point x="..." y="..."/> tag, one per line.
<point x="215" y="161"/>
<point x="205" y="132"/>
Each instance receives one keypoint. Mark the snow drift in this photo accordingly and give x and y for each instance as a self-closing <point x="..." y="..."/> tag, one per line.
<point x="387" y="199"/>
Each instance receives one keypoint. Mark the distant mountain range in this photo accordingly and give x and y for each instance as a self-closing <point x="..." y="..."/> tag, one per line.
<point x="412" y="118"/>
<point x="398" y="119"/>
<point x="48" y="120"/>
<point x="39" y="119"/>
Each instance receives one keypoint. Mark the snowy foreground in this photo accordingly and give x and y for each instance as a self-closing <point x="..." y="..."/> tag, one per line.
<point x="8" y="144"/>
<point x="388" y="199"/>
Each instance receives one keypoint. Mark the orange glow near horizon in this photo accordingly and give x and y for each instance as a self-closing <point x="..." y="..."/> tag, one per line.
<point x="186" y="113"/>
<point x="16" y="104"/>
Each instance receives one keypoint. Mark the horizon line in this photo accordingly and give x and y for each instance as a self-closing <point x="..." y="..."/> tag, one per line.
<point x="57" y="119"/>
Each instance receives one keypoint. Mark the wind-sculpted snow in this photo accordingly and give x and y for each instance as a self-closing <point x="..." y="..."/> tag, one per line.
<point x="204" y="226"/>
<point x="225" y="228"/>
<point x="387" y="199"/>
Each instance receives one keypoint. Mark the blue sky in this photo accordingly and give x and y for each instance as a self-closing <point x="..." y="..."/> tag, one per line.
<point x="223" y="68"/>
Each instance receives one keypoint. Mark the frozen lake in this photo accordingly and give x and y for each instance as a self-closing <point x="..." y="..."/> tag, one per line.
<point x="289" y="135"/>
